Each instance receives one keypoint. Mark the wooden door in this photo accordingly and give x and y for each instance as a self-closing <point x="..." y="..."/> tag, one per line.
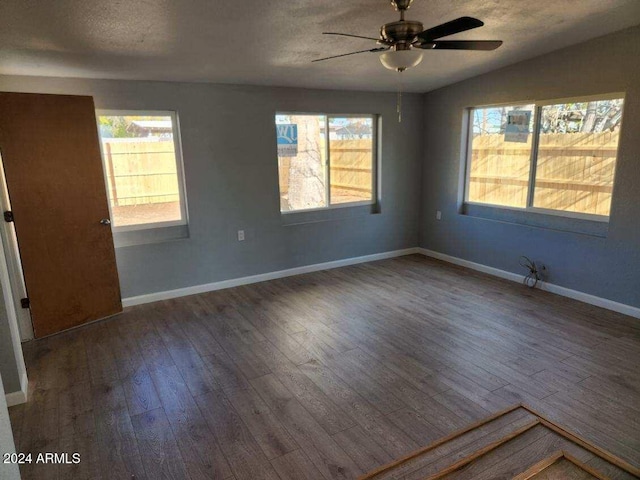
<point x="51" y="155"/>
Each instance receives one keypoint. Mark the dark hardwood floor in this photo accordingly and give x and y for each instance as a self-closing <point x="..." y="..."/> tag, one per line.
<point x="324" y="375"/>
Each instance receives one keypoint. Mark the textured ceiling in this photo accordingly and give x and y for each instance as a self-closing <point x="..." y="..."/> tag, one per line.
<point x="272" y="42"/>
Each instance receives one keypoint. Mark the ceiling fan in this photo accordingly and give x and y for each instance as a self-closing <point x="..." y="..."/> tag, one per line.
<point x="405" y="40"/>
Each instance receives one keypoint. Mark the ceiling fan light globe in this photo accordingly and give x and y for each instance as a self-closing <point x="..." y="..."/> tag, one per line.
<point x="400" y="60"/>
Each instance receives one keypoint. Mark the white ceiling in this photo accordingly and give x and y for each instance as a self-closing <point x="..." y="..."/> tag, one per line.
<point x="272" y="42"/>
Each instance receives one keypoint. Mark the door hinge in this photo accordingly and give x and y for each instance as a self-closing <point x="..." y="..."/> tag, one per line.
<point x="8" y="216"/>
<point x="24" y="303"/>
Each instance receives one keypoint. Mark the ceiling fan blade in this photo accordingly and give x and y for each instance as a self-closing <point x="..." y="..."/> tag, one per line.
<point x="458" y="25"/>
<point x="349" y="35"/>
<point x="461" y="45"/>
<point x="381" y="49"/>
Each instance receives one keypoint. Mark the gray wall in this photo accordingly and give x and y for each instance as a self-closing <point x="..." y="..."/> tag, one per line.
<point x="607" y="266"/>
<point x="228" y="140"/>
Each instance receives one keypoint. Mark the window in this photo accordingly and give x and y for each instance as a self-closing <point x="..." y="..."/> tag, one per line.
<point x="325" y="161"/>
<point x="500" y="162"/>
<point x="143" y="166"/>
<point x="550" y="156"/>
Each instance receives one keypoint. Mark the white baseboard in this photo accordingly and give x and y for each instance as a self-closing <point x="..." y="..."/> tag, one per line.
<point x="16" y="398"/>
<point x="549" y="287"/>
<point x="236" y="282"/>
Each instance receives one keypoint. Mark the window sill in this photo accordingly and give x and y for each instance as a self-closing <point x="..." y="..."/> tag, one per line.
<point x="150" y="235"/>
<point x="328" y="214"/>
<point x="582" y="226"/>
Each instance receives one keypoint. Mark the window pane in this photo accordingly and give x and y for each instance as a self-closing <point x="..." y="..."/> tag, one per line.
<point x="141" y="167"/>
<point x="577" y="156"/>
<point x="351" y="159"/>
<point x="302" y="161"/>
<point x="500" y="155"/>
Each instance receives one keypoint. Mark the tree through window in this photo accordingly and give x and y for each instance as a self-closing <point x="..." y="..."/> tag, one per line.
<point x="325" y="161"/>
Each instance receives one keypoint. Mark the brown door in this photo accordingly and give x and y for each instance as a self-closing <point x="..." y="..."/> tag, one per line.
<point x="51" y="156"/>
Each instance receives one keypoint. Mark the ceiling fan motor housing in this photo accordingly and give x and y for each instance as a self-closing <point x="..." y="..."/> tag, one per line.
<point x="401" y="33"/>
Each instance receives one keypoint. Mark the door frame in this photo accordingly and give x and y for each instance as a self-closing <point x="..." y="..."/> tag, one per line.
<point x="14" y="263"/>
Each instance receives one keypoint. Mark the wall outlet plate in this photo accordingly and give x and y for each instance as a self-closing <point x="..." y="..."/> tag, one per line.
<point x="438" y="215"/>
<point x="241" y="235"/>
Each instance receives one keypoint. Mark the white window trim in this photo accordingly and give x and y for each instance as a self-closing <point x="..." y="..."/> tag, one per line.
<point x="538" y="104"/>
<point x="375" y="119"/>
<point x="177" y="145"/>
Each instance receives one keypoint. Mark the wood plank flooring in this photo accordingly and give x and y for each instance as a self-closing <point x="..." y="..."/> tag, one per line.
<point x="323" y="376"/>
<point x="515" y="444"/>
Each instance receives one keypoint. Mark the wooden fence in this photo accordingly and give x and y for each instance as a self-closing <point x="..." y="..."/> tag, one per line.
<point x="574" y="171"/>
<point x="141" y="172"/>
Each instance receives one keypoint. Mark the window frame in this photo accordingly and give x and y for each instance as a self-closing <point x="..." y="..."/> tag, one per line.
<point x="177" y="146"/>
<point x="533" y="159"/>
<point x="375" y="119"/>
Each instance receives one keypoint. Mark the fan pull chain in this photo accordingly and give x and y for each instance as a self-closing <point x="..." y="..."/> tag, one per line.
<point x="399" y="101"/>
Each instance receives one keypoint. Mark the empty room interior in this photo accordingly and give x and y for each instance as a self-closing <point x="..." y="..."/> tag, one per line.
<point x="362" y="239"/>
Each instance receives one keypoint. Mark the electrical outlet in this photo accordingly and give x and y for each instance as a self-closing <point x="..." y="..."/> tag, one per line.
<point x="438" y="215"/>
<point x="241" y="235"/>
